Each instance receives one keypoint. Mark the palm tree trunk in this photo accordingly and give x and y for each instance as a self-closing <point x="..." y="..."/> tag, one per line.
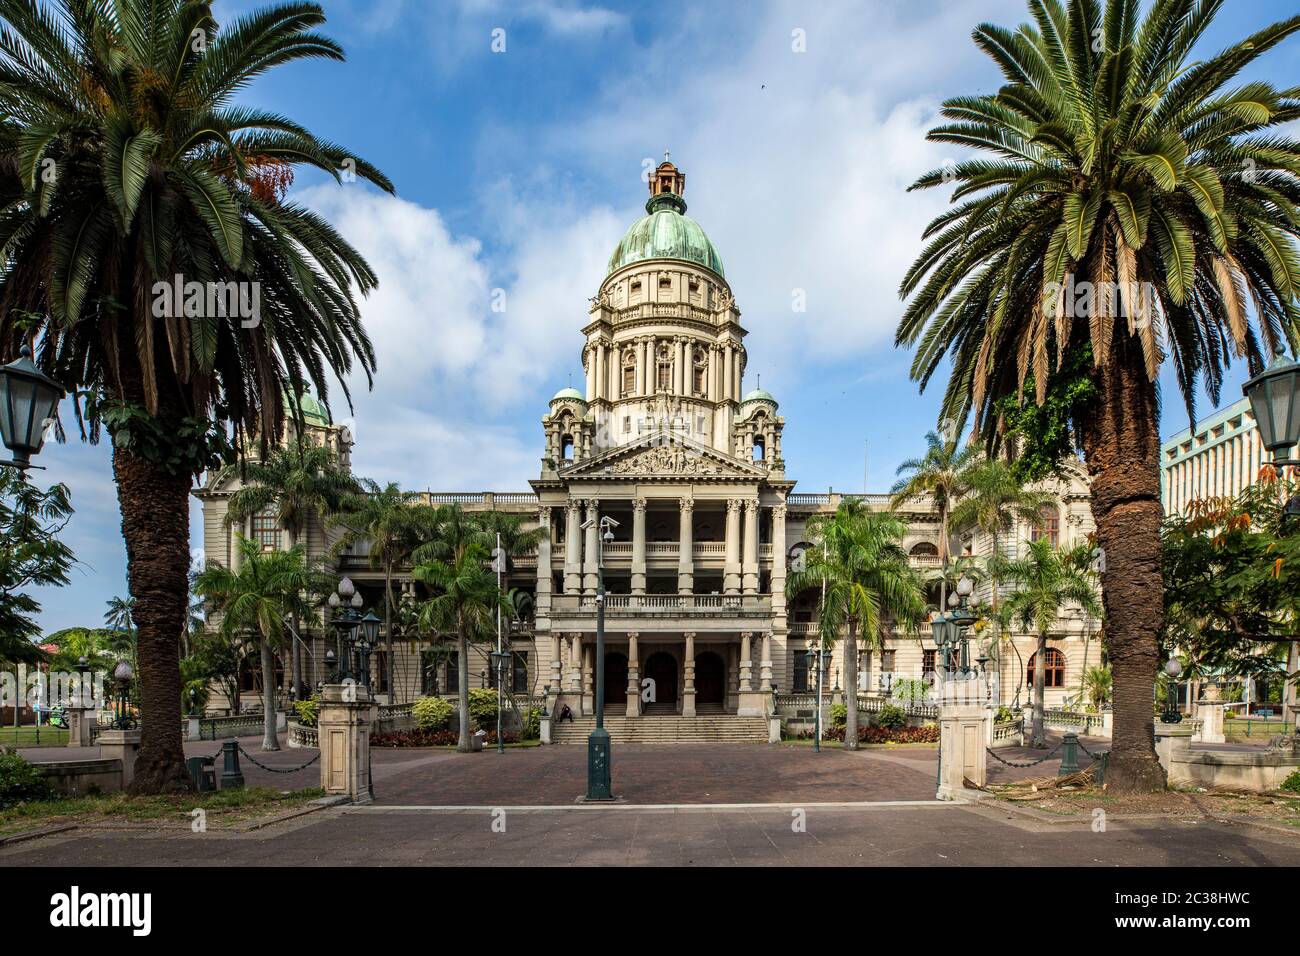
<point x="155" y="525"/>
<point x="295" y="658"/>
<point x="1040" y="691"/>
<point x="462" y="689"/>
<point x="388" y="633"/>
<point x="851" y="685"/>
<point x="269" y="741"/>
<point x="1121" y="443"/>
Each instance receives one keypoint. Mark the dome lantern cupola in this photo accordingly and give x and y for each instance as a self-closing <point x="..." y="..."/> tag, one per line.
<point x="665" y="231"/>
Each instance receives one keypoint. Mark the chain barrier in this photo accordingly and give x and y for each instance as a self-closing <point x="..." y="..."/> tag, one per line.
<point x="1033" y="763"/>
<point x="254" y="761"/>
<point x="1086" y="750"/>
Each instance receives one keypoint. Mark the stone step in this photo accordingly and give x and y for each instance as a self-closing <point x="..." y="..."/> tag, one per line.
<point x="666" y="728"/>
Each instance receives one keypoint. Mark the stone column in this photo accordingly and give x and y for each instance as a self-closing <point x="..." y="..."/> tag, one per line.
<point x="746" y="661"/>
<point x="343" y="726"/>
<point x="750" y="565"/>
<point x="544" y="576"/>
<point x="727" y="367"/>
<point x="633" y="676"/>
<point x="765" y="664"/>
<point x="733" y="676"/>
<point x="638" y="546"/>
<point x="731" y="563"/>
<point x="588" y="669"/>
<point x="575" y="664"/>
<point x="591" y="547"/>
<point x="778" y="561"/>
<point x="686" y="548"/>
<point x="573" y="547"/>
<point x="557" y="676"/>
<point x="688" y="676"/>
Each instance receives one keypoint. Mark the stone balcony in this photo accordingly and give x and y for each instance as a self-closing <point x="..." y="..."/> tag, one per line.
<point x="664" y="612"/>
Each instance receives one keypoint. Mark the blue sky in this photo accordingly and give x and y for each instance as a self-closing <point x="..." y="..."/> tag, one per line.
<point x="519" y="171"/>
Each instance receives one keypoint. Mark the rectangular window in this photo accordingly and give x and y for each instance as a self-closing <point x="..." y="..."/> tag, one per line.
<point x="453" y="673"/>
<point x="266" y="532"/>
<point x="799" y="681"/>
<point x="928" y="662"/>
<point x="629" y="379"/>
<point x="519" y="676"/>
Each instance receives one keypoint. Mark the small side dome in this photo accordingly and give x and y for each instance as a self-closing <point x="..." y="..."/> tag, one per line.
<point x="313" y="412"/>
<point x="759" y="395"/>
<point x="568" y="394"/>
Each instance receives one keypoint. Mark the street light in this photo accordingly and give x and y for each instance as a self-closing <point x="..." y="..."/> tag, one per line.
<point x="598" y="755"/>
<point x="123" y="674"/>
<point x="27" y="401"/>
<point x="1173" y="667"/>
<point x="812" y="655"/>
<point x="499" y="668"/>
<point x="1275" y="402"/>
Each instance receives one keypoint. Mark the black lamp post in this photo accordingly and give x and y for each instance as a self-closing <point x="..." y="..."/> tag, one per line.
<point x="599" y="785"/>
<point x="1275" y="402"/>
<point x="345" y="601"/>
<point x="1171" y="714"/>
<point x="369" y="629"/>
<point x="123" y="674"/>
<point x="499" y="668"/>
<point x="27" y="400"/>
<point x="821" y="666"/>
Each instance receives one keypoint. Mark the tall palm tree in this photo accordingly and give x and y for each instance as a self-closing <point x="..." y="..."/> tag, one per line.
<point x="995" y="500"/>
<point x="1110" y="156"/>
<point x="858" y="562"/>
<point x="258" y="599"/>
<point x="126" y="162"/>
<point x="393" y="523"/>
<point x="297" y="480"/>
<point x="941" y="473"/>
<point x="465" y="602"/>
<point x="120" y="613"/>
<point x="1046" y="579"/>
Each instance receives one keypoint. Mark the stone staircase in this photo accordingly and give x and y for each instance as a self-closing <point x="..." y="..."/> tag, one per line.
<point x="666" y="729"/>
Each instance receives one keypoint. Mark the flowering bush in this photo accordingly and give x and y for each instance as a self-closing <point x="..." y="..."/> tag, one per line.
<point x="432" y="713"/>
<point x="880" y="735"/>
<point x="429" y="738"/>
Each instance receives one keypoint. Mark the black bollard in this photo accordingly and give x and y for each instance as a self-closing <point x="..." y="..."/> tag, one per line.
<point x="231" y="775"/>
<point x="1070" y="755"/>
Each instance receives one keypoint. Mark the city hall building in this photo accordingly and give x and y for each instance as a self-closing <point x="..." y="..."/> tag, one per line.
<point x="666" y="440"/>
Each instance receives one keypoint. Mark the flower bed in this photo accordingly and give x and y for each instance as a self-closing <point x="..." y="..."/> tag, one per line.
<point x="429" y="738"/>
<point x="879" y="735"/>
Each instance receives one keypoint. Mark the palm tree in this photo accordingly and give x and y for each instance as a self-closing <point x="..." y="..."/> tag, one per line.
<point x="258" y="599"/>
<point x="465" y="602"/>
<point x="994" y="501"/>
<point x="297" y="480"/>
<point x="125" y="163"/>
<point x="858" y="562"/>
<point x="393" y="523"/>
<point x="1109" y="156"/>
<point x="941" y="473"/>
<point x="120" y="614"/>
<point x="1046" y="579"/>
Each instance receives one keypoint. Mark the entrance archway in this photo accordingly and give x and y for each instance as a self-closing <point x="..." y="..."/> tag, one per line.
<point x="710" y="679"/>
<point x="615" y="678"/>
<point x="661" y="667"/>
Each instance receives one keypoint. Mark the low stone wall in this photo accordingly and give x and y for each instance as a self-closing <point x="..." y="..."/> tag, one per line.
<point x="79" y="777"/>
<point x="1231" y="770"/>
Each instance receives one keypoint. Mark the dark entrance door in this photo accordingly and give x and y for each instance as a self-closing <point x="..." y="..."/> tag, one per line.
<point x="615" y="680"/>
<point x="710" y="679"/>
<point x="662" y="669"/>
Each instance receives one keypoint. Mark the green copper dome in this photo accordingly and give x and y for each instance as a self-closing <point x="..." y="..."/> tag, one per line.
<point x="313" y="412"/>
<point x="759" y="395"/>
<point x="666" y="232"/>
<point x="568" y="393"/>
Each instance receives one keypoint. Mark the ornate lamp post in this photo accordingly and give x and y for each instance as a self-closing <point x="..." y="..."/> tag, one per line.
<point x="598" y="753"/>
<point x="821" y="666"/>
<point x="27" y="401"/>
<point x="1275" y="402"/>
<point x="499" y="658"/>
<point x="346" y="603"/>
<point x="123" y="674"/>
<point x="369" y="630"/>
<point x="950" y="629"/>
<point x="1171" y="714"/>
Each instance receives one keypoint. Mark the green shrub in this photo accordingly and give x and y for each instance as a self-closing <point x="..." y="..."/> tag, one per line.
<point x="432" y="713"/>
<point x="1005" y="715"/>
<point x="532" y="723"/>
<point x="1292" y="782"/>
<point x="891" y="717"/>
<point x="308" y="710"/>
<point x="20" y="782"/>
<point x="839" y="715"/>
<point x="911" y="689"/>
<point x="483" y="708"/>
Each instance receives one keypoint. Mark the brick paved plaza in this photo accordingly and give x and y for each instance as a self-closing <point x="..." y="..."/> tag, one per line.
<point x="686" y="804"/>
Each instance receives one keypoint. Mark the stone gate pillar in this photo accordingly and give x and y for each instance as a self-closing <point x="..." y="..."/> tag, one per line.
<point x="343" y="725"/>
<point x="963" y="736"/>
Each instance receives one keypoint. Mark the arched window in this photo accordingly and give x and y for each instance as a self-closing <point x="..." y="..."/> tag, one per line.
<point x="924" y="549"/>
<point x="629" y="374"/>
<point x="566" y="447"/>
<point x="1049" y="525"/>
<point x="665" y="371"/>
<point x="1053" y="675"/>
<point x="760" y="450"/>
